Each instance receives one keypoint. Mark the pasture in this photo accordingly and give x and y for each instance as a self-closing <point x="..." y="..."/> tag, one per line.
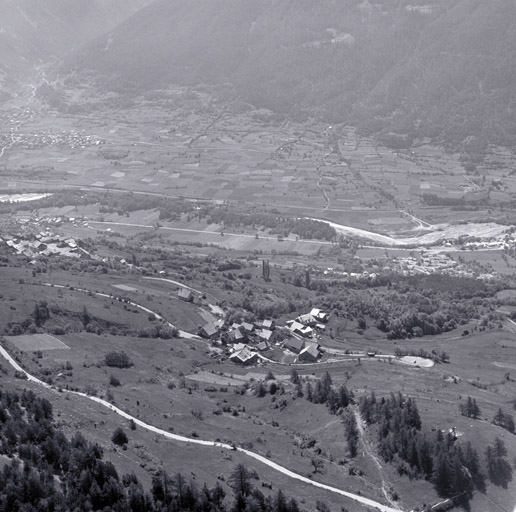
<point x="34" y="342"/>
<point x="155" y="390"/>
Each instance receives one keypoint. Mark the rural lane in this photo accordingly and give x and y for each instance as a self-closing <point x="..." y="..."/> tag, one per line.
<point x="277" y="467"/>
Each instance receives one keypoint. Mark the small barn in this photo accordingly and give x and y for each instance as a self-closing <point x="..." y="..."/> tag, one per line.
<point x="320" y="315"/>
<point x="185" y="294"/>
<point x="244" y="356"/>
<point x="264" y="334"/>
<point x="247" y="327"/>
<point x="310" y="354"/>
<point x="268" y="324"/>
<point x="208" y="331"/>
<point x="307" y="319"/>
<point x="301" y="329"/>
<point x="294" y="345"/>
<point x="236" y="336"/>
<point x="263" y="345"/>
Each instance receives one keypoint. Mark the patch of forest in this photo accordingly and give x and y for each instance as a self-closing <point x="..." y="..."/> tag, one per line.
<point x="277" y="224"/>
<point x="454" y="468"/>
<point x="414" y="306"/>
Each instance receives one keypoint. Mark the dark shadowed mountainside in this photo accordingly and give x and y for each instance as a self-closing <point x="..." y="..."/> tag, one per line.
<point x="442" y="68"/>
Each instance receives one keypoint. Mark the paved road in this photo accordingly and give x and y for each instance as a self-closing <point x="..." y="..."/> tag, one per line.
<point x="183" y="439"/>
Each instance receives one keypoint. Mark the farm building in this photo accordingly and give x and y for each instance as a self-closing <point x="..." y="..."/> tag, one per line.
<point x="299" y="328"/>
<point x="185" y="294"/>
<point x="208" y="331"/>
<point x="262" y="346"/>
<point x="247" y="327"/>
<point x="264" y="334"/>
<point x="268" y="324"/>
<point x="236" y="335"/>
<point x="307" y="319"/>
<point x="309" y="354"/>
<point x="244" y="356"/>
<point x="295" y="345"/>
<point x="319" y="315"/>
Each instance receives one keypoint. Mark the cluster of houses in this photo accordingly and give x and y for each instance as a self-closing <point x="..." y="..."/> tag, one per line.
<point x="42" y="244"/>
<point x="249" y="340"/>
<point x="246" y="339"/>
<point x="42" y="138"/>
<point x="309" y="324"/>
<point x="429" y="264"/>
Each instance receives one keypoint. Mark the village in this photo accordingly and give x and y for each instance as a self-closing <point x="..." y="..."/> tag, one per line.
<point x="49" y="137"/>
<point x="247" y="342"/>
<point x="44" y="243"/>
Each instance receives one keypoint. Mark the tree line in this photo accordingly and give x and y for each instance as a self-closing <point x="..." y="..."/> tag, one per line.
<point x="453" y="468"/>
<point x="277" y="224"/>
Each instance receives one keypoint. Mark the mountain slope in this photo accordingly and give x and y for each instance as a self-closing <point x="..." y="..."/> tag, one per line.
<point x="443" y="69"/>
<point x="32" y="31"/>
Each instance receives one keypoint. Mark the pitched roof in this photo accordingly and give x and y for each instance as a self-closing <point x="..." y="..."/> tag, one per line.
<point x="265" y="334"/>
<point x="262" y="346"/>
<point x="209" y="329"/>
<point x="300" y="328"/>
<point x="184" y="293"/>
<point x="236" y="334"/>
<point x="295" y="344"/>
<point x="318" y="314"/>
<point x="307" y="319"/>
<point x="296" y="326"/>
<point x="245" y="355"/>
<point x="312" y="349"/>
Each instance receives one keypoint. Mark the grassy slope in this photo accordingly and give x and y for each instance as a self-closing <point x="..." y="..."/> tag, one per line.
<point x="159" y="362"/>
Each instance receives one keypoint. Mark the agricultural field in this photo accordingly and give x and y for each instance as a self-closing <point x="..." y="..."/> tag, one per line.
<point x="35" y="342"/>
<point x="181" y="146"/>
<point x="174" y="193"/>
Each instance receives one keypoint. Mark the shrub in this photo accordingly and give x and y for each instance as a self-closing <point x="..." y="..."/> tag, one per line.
<point x="114" y="381"/>
<point x="119" y="437"/>
<point x="118" y="360"/>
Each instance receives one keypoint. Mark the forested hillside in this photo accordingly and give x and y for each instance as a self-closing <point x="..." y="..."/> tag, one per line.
<point x="443" y="69"/>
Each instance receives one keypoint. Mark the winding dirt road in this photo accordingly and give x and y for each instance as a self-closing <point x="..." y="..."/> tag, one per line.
<point x="371" y="455"/>
<point x="277" y="467"/>
<point x="182" y="334"/>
